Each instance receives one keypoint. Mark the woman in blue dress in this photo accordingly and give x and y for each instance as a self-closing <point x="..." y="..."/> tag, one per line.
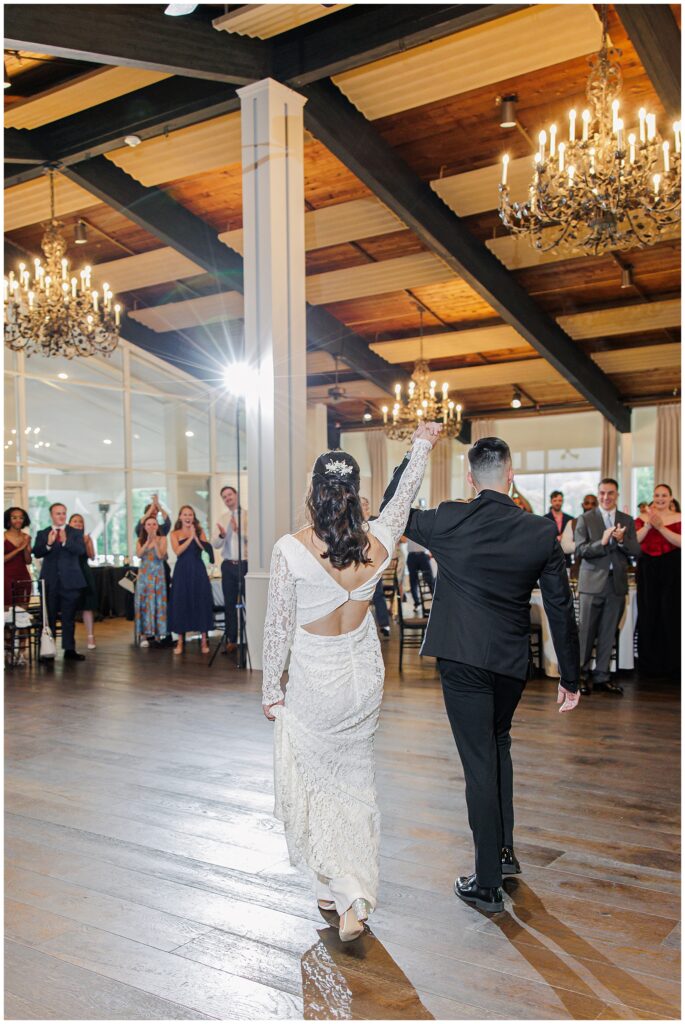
<point x="191" y="607"/>
<point x="151" y="595"/>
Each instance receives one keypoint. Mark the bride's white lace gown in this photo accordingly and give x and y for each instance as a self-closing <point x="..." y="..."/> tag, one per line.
<point x="323" y="742"/>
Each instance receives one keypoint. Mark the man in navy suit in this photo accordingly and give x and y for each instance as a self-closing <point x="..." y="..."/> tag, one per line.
<point x="60" y="547"/>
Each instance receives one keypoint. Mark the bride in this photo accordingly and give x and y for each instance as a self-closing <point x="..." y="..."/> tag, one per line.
<point x="322" y="580"/>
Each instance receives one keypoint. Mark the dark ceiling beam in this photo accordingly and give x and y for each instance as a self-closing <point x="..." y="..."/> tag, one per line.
<point x="367" y="32"/>
<point x="156" y="212"/>
<point x="160" y="215"/>
<point x="654" y="32"/>
<point x="350" y="137"/>
<point x="22" y="147"/>
<point x="326" y="334"/>
<point x="136" y="36"/>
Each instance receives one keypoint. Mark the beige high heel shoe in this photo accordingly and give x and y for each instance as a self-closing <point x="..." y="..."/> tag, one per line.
<point x="352" y="921"/>
<point x="327" y="905"/>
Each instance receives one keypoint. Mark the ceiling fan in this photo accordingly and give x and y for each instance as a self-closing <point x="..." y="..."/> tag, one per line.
<point x="336" y="392"/>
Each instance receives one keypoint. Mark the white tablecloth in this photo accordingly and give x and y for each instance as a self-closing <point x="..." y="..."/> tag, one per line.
<point x="627" y="625"/>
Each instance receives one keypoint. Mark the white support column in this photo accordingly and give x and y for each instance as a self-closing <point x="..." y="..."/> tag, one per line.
<point x="128" y="449"/>
<point x="275" y="328"/>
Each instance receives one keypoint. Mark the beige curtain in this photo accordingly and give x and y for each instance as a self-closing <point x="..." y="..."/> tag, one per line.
<point x="441" y="472"/>
<point x="667" y="448"/>
<point x="479" y="428"/>
<point x="377" y="447"/>
<point x="609" y="451"/>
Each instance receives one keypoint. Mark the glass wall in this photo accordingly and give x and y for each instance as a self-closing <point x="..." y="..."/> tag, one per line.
<point x="105" y="435"/>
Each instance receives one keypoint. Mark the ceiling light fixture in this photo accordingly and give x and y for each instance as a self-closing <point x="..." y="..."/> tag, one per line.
<point x="516" y="400"/>
<point x="189" y="433"/>
<point x="49" y="313"/>
<point x="367" y="417"/>
<point x="63" y="376"/>
<point x="132" y="140"/>
<point x="507" y="114"/>
<point x="178" y="10"/>
<point x="626" y="277"/>
<point x="604" y="187"/>
<point x="81" y="233"/>
<point x="106" y="440"/>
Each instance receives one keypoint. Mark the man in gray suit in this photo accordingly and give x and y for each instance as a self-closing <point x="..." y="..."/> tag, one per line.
<point x="605" y="539"/>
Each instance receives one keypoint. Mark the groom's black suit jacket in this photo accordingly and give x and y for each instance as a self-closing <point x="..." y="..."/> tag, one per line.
<point x="490" y="556"/>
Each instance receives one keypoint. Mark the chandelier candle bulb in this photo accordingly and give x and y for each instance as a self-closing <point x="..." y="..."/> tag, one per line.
<point x="542" y="138"/>
<point x="643" y="115"/>
<point x="64" y="269"/>
<point x="657" y="182"/>
<point x="117" y="314"/>
<point x="505" y="167"/>
<point x="384" y="410"/>
<point x="619" y="134"/>
<point x="586" y="124"/>
<point x="631" y="143"/>
<point x="562" y="150"/>
<point x="651" y="127"/>
<point x="445" y="389"/>
<point x="398" y="391"/>
<point x="592" y="160"/>
<point x="74" y="284"/>
<point x="552" y="140"/>
<point x="95" y="302"/>
<point x="30" y="300"/>
<point x="614" y="116"/>
<point x="572" y="126"/>
<point x="667" y="164"/>
<point x="571" y="174"/>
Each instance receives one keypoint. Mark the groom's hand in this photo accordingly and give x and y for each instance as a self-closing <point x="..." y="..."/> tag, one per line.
<point x="567" y="698"/>
<point x="428" y="432"/>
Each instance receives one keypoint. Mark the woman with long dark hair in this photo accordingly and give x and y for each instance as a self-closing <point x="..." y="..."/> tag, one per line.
<point x="658" y="587"/>
<point x="191" y="608"/>
<point x="322" y="579"/>
<point x="17" y="579"/>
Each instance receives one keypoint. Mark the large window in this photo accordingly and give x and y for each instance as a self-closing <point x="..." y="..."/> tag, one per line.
<point x="67" y="439"/>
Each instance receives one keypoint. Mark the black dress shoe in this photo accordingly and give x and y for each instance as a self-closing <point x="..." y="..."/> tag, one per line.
<point x="74" y="656"/>
<point x="510" y="865"/>
<point x="585" y="690"/>
<point x="613" y="688"/>
<point x="487" y="898"/>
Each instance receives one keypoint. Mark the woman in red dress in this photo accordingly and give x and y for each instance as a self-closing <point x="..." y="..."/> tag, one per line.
<point x="658" y="587"/>
<point x="17" y="557"/>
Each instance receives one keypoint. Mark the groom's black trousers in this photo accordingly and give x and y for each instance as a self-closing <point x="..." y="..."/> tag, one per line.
<point x="480" y="706"/>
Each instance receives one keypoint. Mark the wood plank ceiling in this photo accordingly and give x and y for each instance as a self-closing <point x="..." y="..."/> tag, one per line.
<point x="435" y="106"/>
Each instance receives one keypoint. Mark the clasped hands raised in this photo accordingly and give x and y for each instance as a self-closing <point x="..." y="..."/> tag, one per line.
<point x="615" y="532"/>
<point x="428" y="431"/>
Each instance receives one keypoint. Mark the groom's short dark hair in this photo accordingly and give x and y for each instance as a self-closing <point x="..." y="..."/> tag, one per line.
<point x="489" y="457"/>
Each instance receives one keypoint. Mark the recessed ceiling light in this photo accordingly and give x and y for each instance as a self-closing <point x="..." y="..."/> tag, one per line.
<point x="36" y="430"/>
<point x="367" y="417"/>
<point x="136" y="437"/>
<point x="47" y="444"/>
<point x="9" y="444"/>
<point x="132" y="140"/>
<point x="63" y="376"/>
<point x="507" y="118"/>
<point x="14" y="430"/>
<point x="189" y="433"/>
<point x="106" y="440"/>
<point x="28" y="430"/>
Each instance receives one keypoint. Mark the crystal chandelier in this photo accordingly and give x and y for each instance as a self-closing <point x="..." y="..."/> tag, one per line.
<point x="421" y="402"/>
<point x="52" y="314"/>
<point x="605" y="187"/>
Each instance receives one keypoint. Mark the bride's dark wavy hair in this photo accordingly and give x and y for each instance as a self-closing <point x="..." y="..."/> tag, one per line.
<point x="335" y="511"/>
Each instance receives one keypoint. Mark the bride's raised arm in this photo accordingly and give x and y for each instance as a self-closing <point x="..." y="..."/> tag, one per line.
<point x="279" y="628"/>
<point x="394" y="515"/>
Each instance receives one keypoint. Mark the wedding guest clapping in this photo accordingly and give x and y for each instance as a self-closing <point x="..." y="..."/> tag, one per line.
<point x="191" y="607"/>
<point x="658" y="587"/>
<point x="61" y="546"/>
<point x="17" y="585"/>
<point x="151" y="590"/>
<point x="88" y="602"/>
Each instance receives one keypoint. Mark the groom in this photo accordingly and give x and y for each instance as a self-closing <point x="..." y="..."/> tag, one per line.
<point x="491" y="554"/>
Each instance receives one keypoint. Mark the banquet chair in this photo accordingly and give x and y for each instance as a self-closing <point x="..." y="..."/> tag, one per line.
<point x="23" y="624"/>
<point x="412" y="631"/>
<point x="426" y="595"/>
<point x="390" y="582"/>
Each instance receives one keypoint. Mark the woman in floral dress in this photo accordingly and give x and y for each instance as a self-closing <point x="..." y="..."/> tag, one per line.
<point x="151" y="594"/>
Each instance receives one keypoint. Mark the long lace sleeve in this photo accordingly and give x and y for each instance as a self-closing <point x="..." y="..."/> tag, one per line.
<point x="279" y="627"/>
<point x="395" y="514"/>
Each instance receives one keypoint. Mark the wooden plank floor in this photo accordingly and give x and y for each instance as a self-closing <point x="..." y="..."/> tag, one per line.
<point x="147" y="879"/>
